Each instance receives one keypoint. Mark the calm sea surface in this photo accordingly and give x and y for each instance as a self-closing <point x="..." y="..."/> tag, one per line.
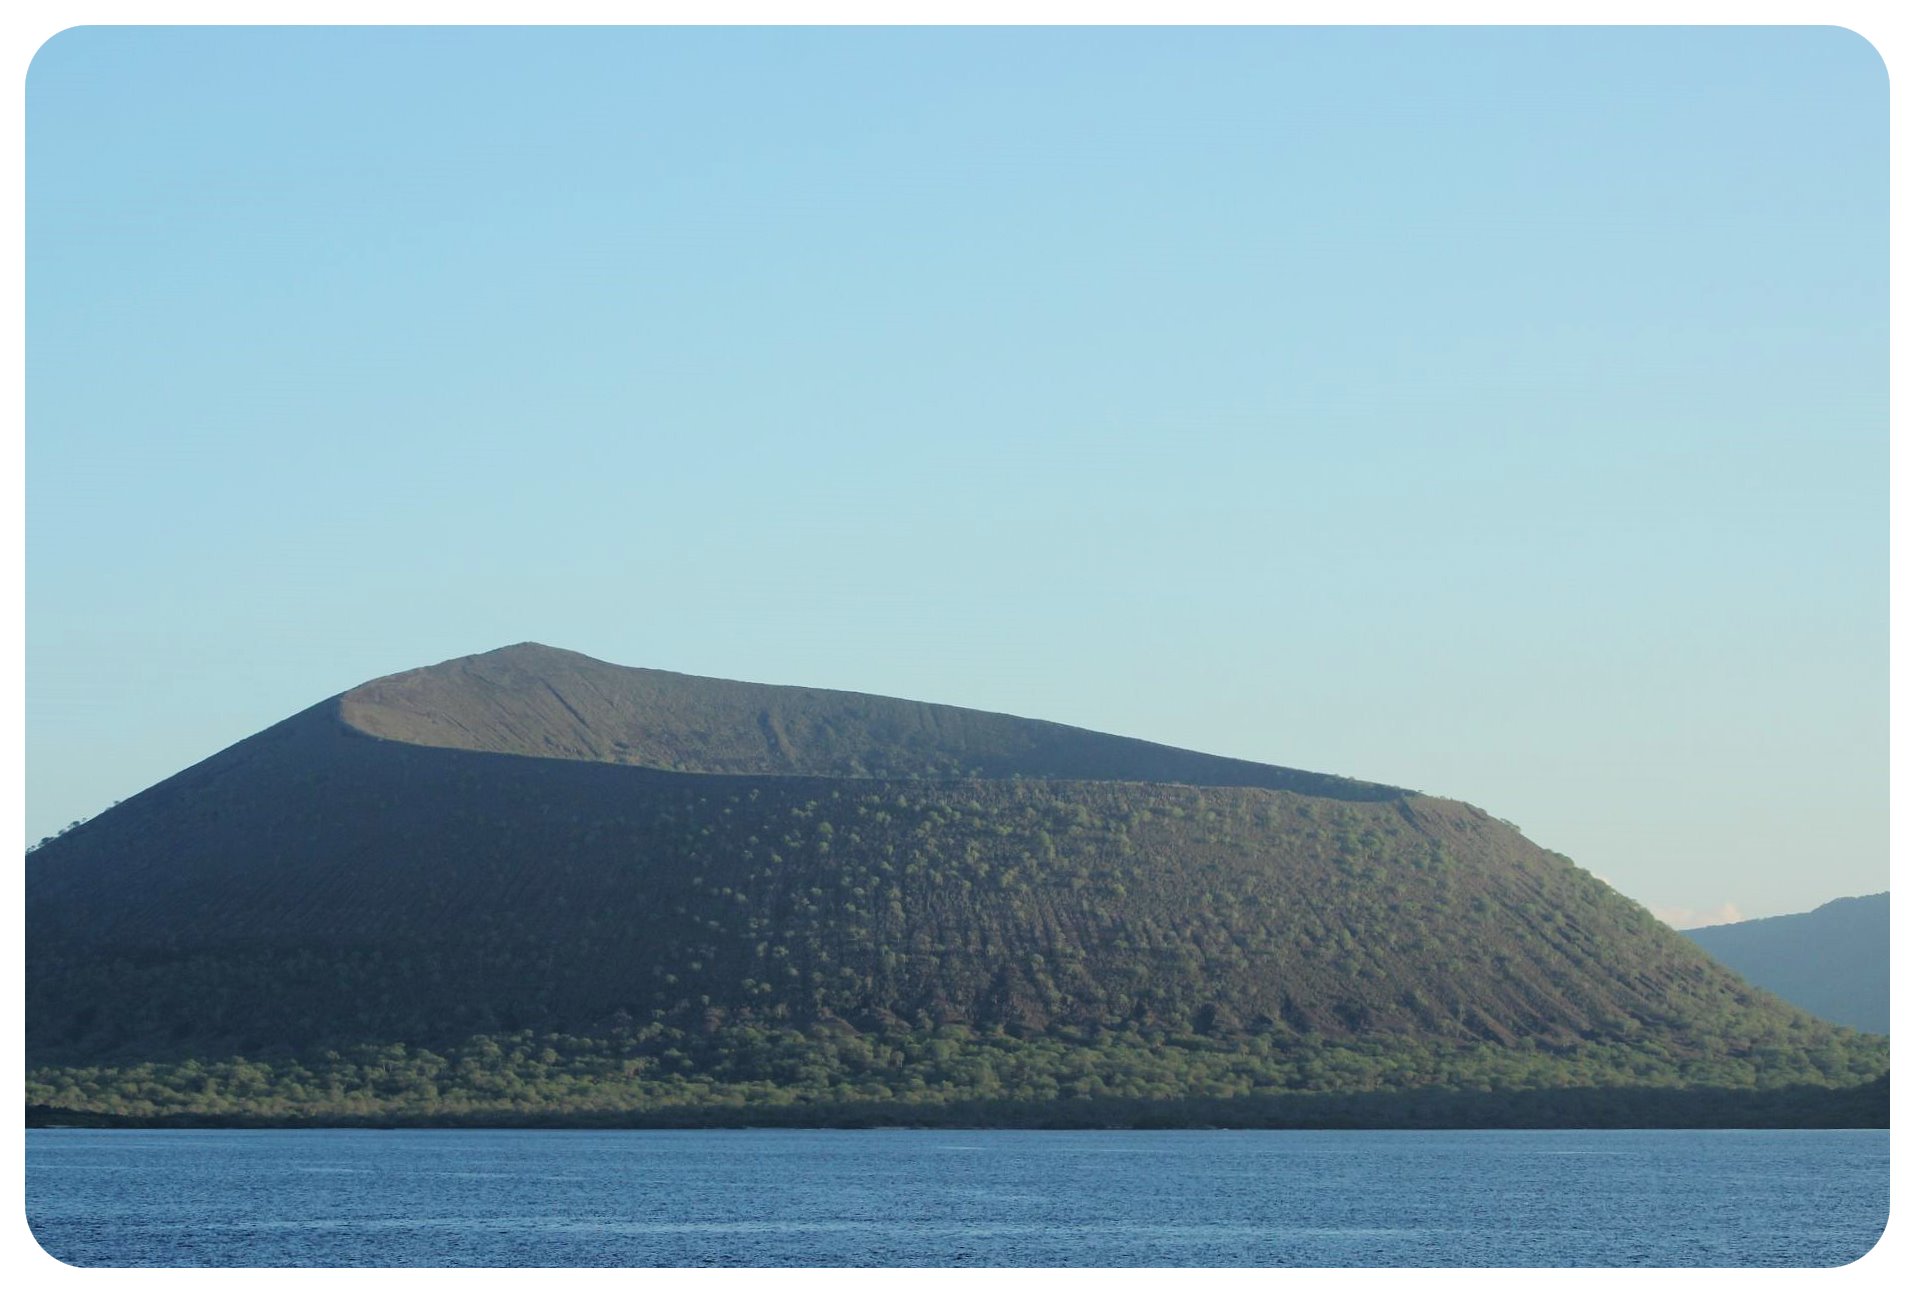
<point x="957" y="1198"/>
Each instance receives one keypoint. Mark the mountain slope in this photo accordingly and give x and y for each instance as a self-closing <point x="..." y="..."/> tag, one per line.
<point x="539" y="701"/>
<point x="536" y="882"/>
<point x="1832" y="962"/>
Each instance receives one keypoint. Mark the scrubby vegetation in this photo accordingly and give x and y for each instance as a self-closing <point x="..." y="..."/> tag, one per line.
<point x="837" y="1073"/>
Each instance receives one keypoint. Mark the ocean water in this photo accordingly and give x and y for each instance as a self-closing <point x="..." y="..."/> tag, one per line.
<point x="957" y="1198"/>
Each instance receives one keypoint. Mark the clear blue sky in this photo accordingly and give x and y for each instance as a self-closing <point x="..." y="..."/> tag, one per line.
<point x="1501" y="413"/>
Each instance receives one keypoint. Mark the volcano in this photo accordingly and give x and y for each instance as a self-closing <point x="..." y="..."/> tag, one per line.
<point x="530" y="886"/>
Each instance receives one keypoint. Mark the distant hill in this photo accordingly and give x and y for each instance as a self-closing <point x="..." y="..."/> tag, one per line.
<point x="528" y="885"/>
<point x="1832" y="962"/>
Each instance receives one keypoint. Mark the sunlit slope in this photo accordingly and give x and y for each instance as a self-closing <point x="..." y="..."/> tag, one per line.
<point x="537" y="700"/>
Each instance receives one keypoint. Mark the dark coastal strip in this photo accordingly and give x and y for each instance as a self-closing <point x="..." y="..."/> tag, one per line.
<point x="1611" y="1108"/>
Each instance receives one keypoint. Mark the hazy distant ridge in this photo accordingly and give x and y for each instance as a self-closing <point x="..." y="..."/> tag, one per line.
<point x="1832" y="962"/>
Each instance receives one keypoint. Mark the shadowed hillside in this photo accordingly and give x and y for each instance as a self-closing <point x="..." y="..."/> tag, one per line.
<point x="481" y="888"/>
